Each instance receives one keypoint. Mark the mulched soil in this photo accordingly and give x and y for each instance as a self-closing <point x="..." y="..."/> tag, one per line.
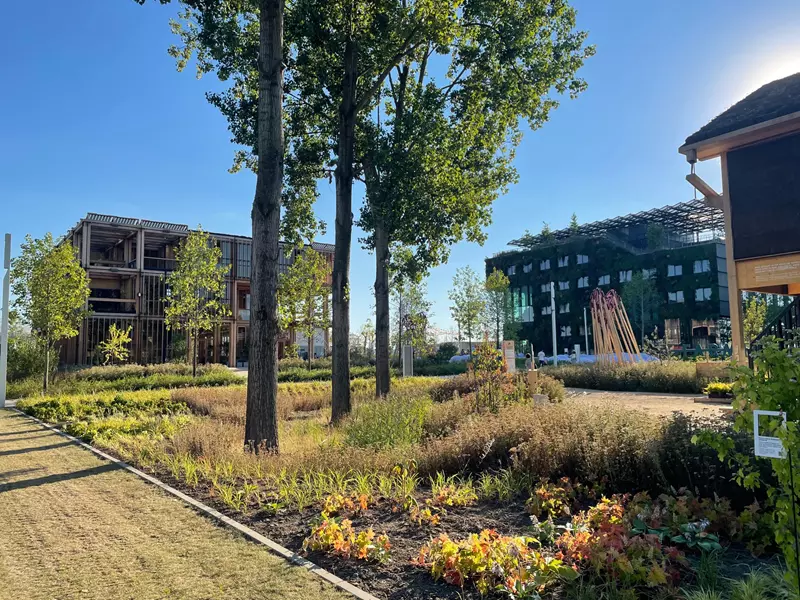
<point x="396" y="580"/>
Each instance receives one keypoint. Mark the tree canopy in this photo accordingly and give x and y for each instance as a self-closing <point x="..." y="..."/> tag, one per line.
<point x="51" y="290"/>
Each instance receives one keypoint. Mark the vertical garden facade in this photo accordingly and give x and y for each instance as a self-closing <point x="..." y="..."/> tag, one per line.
<point x="679" y="252"/>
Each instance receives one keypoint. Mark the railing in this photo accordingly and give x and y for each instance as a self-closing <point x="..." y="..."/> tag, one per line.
<point x="780" y="327"/>
<point x="152" y="263"/>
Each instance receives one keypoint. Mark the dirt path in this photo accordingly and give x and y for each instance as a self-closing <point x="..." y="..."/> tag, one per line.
<point x="659" y="404"/>
<point x="74" y="526"/>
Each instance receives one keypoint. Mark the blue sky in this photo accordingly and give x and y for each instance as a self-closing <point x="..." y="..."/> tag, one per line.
<point x="94" y="117"/>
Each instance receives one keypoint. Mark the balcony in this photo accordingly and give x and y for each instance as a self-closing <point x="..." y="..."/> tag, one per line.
<point x="152" y="263"/>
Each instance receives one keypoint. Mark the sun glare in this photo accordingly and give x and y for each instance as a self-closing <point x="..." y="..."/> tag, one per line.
<point x="770" y="68"/>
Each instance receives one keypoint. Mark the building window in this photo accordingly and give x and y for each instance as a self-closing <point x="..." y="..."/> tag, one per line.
<point x="672" y="331"/>
<point x="527" y="268"/>
<point x="582" y="330"/>
<point x="582" y="259"/>
<point x="544" y="265"/>
<point x="546" y="287"/>
<point x="702" y="294"/>
<point x="243" y="255"/>
<point x="547" y="310"/>
<point x="674" y="270"/>
<point x="702" y="266"/>
<point x="583" y="282"/>
<point x="563" y="261"/>
<point x="512" y="270"/>
<point x="625" y="276"/>
<point x="649" y="273"/>
<point x="676" y="296"/>
<point x="564" y="308"/>
<point x="604" y="280"/>
<point x="563" y="285"/>
<point x="566" y="331"/>
<point x="227" y="254"/>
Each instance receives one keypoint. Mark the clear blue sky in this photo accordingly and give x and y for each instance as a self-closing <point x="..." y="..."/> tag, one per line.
<point x="94" y="117"/>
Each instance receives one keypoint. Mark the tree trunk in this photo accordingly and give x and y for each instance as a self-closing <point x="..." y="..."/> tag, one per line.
<point x="261" y="424"/>
<point x="497" y="328"/>
<point x="46" y="364"/>
<point x="194" y="353"/>
<point x="340" y="403"/>
<point x="310" y="349"/>
<point x="382" y="378"/>
<point x="400" y="325"/>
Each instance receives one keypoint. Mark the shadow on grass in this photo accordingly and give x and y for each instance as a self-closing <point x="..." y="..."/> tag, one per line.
<point x="35" y="449"/>
<point x="21" y="431"/>
<point x="26" y="483"/>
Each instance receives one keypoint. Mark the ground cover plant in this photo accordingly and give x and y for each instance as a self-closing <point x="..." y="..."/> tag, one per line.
<point x="671" y="377"/>
<point x="432" y="493"/>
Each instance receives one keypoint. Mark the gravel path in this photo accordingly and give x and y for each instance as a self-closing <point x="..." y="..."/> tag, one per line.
<point x="74" y="526"/>
<point x="660" y="404"/>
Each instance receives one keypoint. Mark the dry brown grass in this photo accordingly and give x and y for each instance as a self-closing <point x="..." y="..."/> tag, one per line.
<point x="71" y="527"/>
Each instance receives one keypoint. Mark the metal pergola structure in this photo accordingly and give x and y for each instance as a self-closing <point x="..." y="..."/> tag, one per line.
<point x="685" y="218"/>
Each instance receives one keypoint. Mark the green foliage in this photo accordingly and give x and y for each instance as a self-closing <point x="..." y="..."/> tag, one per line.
<point x="498" y="307"/>
<point x="446" y="351"/>
<point x="114" y="349"/>
<point x="195" y="302"/>
<point x="339" y="538"/>
<point x="491" y="561"/>
<point x="773" y="384"/>
<point x="303" y="296"/>
<point x="573" y="224"/>
<point x="433" y="369"/>
<point x="546" y="234"/>
<point x="672" y="377"/>
<point x="26" y="357"/>
<point x="468" y="301"/>
<point x="642" y="302"/>
<point x="395" y="421"/>
<point x="50" y="291"/>
<point x="411" y="309"/>
<point x="655" y="236"/>
<point x="70" y="408"/>
<point x="754" y="318"/>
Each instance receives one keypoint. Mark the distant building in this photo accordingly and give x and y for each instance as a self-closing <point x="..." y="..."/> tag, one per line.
<point x="680" y="248"/>
<point x="127" y="261"/>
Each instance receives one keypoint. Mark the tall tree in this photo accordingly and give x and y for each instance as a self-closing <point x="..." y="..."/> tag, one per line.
<point x="195" y="302"/>
<point x="573" y="224"/>
<point x="439" y="150"/>
<point x="468" y="302"/>
<point x="242" y="40"/>
<point x="412" y="309"/>
<point x="367" y="337"/>
<point x="50" y="293"/>
<point x="497" y="304"/>
<point x="641" y="300"/>
<point x="303" y="296"/>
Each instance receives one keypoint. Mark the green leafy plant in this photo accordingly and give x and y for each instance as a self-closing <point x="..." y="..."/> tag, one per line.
<point x="339" y="538"/>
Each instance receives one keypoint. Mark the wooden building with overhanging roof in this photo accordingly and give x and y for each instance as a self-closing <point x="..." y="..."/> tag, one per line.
<point x="758" y="143"/>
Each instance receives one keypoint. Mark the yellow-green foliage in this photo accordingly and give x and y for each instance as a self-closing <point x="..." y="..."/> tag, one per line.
<point x="666" y="377"/>
<point x="719" y="389"/>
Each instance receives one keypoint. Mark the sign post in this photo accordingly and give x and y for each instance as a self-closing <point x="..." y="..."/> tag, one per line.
<point x="770" y="446"/>
<point x="510" y="356"/>
<point x="4" y="319"/>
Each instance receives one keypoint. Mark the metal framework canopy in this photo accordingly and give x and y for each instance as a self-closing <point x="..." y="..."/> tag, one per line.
<point x="685" y="219"/>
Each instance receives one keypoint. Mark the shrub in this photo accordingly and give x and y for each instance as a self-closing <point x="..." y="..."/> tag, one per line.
<point x="440" y="369"/>
<point x="549" y="386"/>
<point x="666" y="377"/>
<point x="340" y="539"/>
<point x="719" y="389"/>
<point x="73" y="408"/>
<point x="460" y="384"/>
<point x="445" y="352"/>
<point x="491" y="561"/>
<point x="395" y="421"/>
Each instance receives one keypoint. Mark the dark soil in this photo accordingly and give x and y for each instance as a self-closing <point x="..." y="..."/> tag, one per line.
<point x="396" y="580"/>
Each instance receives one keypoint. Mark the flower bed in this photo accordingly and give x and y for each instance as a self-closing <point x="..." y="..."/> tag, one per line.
<point x="415" y="499"/>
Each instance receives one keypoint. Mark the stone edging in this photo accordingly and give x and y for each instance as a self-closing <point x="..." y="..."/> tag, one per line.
<point x="251" y="534"/>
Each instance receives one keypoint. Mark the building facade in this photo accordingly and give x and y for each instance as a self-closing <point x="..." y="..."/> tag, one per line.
<point x="679" y="248"/>
<point x="127" y="261"/>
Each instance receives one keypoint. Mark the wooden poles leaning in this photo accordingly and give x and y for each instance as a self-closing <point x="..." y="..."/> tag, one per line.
<point x="614" y="340"/>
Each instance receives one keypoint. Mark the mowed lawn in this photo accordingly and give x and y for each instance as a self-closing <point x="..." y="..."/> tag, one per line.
<point x="75" y="526"/>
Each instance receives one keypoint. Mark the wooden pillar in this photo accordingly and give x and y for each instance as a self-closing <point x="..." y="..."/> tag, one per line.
<point x="140" y="249"/>
<point x="734" y="293"/>
<point x="86" y="245"/>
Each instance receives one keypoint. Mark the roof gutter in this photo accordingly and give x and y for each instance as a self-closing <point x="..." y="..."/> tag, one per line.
<point x="715" y="146"/>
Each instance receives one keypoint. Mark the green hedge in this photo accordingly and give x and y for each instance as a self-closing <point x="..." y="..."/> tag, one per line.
<point x="673" y="377"/>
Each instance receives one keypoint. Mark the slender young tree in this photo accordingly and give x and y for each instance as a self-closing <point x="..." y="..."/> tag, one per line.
<point x="468" y="302"/>
<point x="196" y="289"/>
<point x="242" y="41"/>
<point x="303" y="296"/>
<point x="497" y="302"/>
<point x="50" y="293"/>
<point x="640" y="297"/>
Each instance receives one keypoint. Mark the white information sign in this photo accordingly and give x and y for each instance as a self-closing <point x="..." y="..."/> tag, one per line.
<point x="510" y="356"/>
<point x="765" y="445"/>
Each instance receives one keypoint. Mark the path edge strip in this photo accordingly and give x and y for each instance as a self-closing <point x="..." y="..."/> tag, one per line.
<point x="251" y="534"/>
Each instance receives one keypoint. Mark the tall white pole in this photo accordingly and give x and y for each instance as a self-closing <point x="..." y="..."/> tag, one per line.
<point x="585" y="331"/>
<point x="553" y="321"/>
<point x="4" y="320"/>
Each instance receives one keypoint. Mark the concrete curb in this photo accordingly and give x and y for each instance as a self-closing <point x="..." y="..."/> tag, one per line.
<point x="251" y="534"/>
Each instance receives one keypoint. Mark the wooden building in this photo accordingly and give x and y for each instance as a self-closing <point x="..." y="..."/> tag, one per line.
<point x="758" y="143"/>
<point x="127" y="261"/>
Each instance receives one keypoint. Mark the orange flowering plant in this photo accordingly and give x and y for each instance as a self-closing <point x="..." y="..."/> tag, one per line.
<point x="341" y="539"/>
